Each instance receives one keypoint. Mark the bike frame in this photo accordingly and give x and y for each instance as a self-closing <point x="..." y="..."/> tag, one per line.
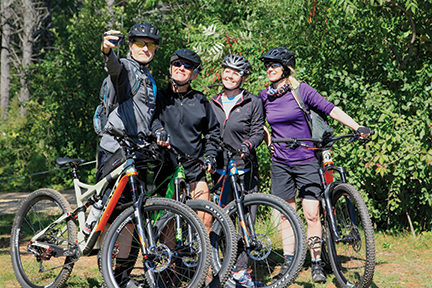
<point x="228" y="177"/>
<point x="124" y="173"/>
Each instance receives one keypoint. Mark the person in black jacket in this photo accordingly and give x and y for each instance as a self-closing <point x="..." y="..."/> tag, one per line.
<point x="186" y="116"/>
<point x="241" y="120"/>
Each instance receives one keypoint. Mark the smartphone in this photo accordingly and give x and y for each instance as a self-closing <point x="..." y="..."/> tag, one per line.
<point x="118" y="42"/>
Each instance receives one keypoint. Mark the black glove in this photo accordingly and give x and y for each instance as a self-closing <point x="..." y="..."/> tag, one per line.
<point x="363" y="130"/>
<point x="162" y="135"/>
<point x="210" y="161"/>
<point x="244" y="149"/>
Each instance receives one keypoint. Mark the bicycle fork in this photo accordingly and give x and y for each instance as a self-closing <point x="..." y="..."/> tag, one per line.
<point x="239" y="199"/>
<point x="327" y="204"/>
<point x="139" y="202"/>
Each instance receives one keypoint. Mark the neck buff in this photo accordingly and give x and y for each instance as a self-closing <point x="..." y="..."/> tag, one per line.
<point x="278" y="92"/>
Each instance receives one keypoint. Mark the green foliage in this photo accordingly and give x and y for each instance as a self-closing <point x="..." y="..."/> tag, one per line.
<point x="370" y="58"/>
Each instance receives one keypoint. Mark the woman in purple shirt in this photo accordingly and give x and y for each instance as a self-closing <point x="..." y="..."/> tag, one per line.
<point x="296" y="170"/>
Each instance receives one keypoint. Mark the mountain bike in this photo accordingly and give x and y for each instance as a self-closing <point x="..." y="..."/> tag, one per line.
<point x="348" y="237"/>
<point x="222" y="235"/>
<point x="261" y="238"/>
<point x="46" y="243"/>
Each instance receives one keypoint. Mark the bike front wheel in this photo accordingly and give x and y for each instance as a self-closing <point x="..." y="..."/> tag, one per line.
<point x="277" y="230"/>
<point x="41" y="264"/>
<point x="352" y="256"/>
<point x="175" y="258"/>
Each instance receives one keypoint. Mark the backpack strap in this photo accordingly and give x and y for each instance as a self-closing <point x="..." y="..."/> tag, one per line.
<point x="153" y="83"/>
<point x="297" y="96"/>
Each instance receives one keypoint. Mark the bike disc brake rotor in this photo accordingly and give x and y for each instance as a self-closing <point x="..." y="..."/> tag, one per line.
<point x="355" y="234"/>
<point x="262" y="249"/>
<point x="162" y="258"/>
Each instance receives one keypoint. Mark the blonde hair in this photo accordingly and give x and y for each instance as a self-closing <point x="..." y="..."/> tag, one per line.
<point x="291" y="80"/>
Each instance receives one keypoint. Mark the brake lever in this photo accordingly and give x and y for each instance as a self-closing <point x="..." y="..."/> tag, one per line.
<point x="293" y="145"/>
<point x="356" y="137"/>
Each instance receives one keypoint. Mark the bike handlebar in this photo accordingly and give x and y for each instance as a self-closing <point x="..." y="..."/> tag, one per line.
<point x="325" y="142"/>
<point x="227" y="146"/>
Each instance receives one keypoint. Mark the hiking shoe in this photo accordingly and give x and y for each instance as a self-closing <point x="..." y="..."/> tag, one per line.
<point x="285" y="267"/>
<point x="318" y="272"/>
<point x="245" y="278"/>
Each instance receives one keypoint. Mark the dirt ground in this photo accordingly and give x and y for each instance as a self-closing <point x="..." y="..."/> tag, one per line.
<point x="401" y="261"/>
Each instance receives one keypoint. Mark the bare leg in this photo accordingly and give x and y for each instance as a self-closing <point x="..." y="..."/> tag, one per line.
<point x="311" y="213"/>
<point x="287" y="232"/>
<point x="200" y="190"/>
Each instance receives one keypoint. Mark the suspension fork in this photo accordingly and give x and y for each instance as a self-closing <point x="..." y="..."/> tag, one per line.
<point x="239" y="200"/>
<point x="138" y="204"/>
<point x="179" y="232"/>
<point x="328" y="189"/>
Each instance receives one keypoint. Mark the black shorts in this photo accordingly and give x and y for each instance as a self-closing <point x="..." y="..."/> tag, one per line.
<point x="288" y="179"/>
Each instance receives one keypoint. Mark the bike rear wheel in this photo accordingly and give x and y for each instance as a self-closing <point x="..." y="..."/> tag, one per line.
<point x="222" y="241"/>
<point x="33" y="265"/>
<point x="352" y="258"/>
<point x="181" y="264"/>
<point x="266" y="257"/>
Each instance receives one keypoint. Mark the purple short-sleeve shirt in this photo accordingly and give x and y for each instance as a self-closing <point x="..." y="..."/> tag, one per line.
<point x="287" y="120"/>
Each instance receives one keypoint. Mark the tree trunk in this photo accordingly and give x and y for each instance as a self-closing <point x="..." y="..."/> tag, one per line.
<point x="6" y="12"/>
<point x="110" y="4"/>
<point x="27" y="51"/>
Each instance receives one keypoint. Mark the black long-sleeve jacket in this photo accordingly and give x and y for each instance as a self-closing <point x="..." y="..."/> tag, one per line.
<point x="187" y="117"/>
<point x="244" y="123"/>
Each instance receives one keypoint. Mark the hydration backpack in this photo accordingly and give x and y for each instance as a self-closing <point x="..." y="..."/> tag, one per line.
<point x="317" y="122"/>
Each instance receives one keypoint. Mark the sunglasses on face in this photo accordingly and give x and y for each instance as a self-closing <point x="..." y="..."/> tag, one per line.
<point x="142" y="44"/>
<point x="273" y="65"/>
<point x="179" y="63"/>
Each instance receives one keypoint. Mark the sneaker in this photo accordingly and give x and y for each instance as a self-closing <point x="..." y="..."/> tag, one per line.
<point x="285" y="267"/>
<point x="318" y="272"/>
<point x="245" y="278"/>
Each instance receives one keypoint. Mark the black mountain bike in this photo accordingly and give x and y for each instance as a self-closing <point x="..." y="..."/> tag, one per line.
<point x="348" y="235"/>
<point x="263" y="237"/>
<point x="222" y="234"/>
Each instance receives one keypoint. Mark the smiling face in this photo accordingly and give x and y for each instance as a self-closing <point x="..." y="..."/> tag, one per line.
<point x="181" y="71"/>
<point x="274" y="71"/>
<point x="141" y="51"/>
<point x="231" y="78"/>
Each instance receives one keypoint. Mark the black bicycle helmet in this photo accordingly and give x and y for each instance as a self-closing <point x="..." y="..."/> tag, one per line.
<point x="144" y="29"/>
<point x="188" y="55"/>
<point x="237" y="62"/>
<point x="281" y="55"/>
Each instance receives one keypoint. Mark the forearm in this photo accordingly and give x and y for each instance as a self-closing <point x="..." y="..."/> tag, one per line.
<point x="344" y="118"/>
<point x="113" y="65"/>
<point x="267" y="136"/>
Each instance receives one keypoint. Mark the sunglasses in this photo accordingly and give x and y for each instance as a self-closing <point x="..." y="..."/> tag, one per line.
<point x="142" y="44"/>
<point x="179" y="63"/>
<point x="273" y="65"/>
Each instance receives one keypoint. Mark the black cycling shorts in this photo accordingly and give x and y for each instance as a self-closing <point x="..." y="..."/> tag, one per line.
<point x="286" y="180"/>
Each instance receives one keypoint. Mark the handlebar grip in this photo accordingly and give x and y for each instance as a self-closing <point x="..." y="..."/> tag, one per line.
<point x="110" y="129"/>
<point x="283" y="140"/>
